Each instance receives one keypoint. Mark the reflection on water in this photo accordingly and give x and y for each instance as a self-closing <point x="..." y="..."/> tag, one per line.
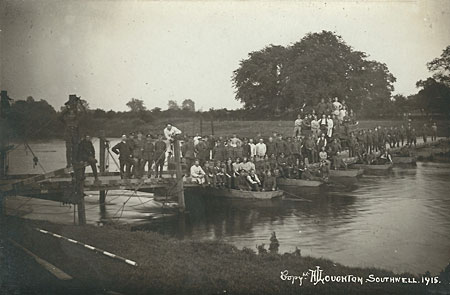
<point x="399" y="221"/>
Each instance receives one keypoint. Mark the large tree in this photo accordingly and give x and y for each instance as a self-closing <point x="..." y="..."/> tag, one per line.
<point x="188" y="105"/>
<point x="440" y="67"/>
<point x="136" y="105"/>
<point x="321" y="65"/>
<point x="433" y="97"/>
<point x="434" y="93"/>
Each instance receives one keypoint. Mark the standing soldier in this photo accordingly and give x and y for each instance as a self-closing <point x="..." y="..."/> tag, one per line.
<point x="352" y="145"/>
<point x="321" y="107"/>
<point x="408" y="135"/>
<point x="160" y="156"/>
<point x="86" y="153"/>
<point x="310" y="149"/>
<point x="321" y="142"/>
<point x="132" y="144"/>
<point x="361" y="136"/>
<point x="202" y="151"/>
<point x="298" y="126"/>
<point x="148" y="155"/>
<point x="424" y="133"/>
<point x="413" y="135"/>
<point x="138" y="155"/>
<point x="369" y="140"/>
<point x="381" y="139"/>
<point x="270" y="147"/>
<point x="402" y="134"/>
<point x="281" y="146"/>
<point x="433" y="131"/>
<point x="297" y="150"/>
<point x="261" y="150"/>
<point x="376" y="139"/>
<point x="70" y="116"/>
<point x="188" y="151"/>
<point x="124" y="151"/>
<point x="397" y="136"/>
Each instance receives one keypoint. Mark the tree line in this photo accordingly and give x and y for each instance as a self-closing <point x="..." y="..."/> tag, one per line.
<point x="273" y="84"/>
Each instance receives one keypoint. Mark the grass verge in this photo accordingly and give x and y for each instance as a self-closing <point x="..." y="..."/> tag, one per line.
<point x="171" y="266"/>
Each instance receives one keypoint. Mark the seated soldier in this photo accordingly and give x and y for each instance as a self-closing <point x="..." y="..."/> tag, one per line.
<point x="241" y="181"/>
<point x="197" y="173"/>
<point x="385" y="158"/>
<point x="253" y="181"/>
<point x="270" y="182"/>
<point x="283" y="165"/>
<point x="306" y="173"/>
<point x="209" y="174"/>
<point x="219" y="172"/>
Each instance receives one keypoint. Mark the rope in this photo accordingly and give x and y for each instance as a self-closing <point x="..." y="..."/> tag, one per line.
<point x="35" y="158"/>
<point x="297" y="197"/>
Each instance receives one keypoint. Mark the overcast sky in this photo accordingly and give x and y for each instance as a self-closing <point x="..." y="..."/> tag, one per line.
<point x="111" y="51"/>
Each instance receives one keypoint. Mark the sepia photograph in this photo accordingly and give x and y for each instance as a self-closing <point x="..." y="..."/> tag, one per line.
<point x="224" y="147"/>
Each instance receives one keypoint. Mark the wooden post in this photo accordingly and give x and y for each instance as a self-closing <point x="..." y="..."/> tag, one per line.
<point x="179" y="176"/>
<point x="3" y="161"/>
<point x="78" y="190"/>
<point x="102" y="163"/>
<point x="201" y="125"/>
<point x="212" y="126"/>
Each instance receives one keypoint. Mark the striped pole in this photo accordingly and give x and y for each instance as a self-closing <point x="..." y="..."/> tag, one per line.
<point x="106" y="253"/>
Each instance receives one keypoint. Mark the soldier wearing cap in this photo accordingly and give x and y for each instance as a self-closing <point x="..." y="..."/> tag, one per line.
<point x="138" y="155"/>
<point x="124" y="151"/>
<point x="160" y="156"/>
<point x="86" y="153"/>
<point x="70" y="116"/>
<point x="148" y="155"/>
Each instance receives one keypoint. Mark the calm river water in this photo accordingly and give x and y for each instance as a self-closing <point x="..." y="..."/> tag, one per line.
<point x="399" y="222"/>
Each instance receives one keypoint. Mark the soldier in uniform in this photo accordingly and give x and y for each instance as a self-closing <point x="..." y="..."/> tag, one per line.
<point x="86" y="153"/>
<point x="369" y="140"/>
<point x="124" y="151"/>
<point x="413" y="137"/>
<point x="271" y="147"/>
<point x="402" y="134"/>
<point x="148" y="155"/>
<point x="70" y="116"/>
<point x="188" y="151"/>
<point x="133" y="161"/>
<point x="160" y="156"/>
<point x="424" y="133"/>
<point x="138" y="155"/>
<point x="376" y="139"/>
<point x="433" y="132"/>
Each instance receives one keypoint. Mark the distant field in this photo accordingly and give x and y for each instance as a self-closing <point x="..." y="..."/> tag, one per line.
<point x="251" y="128"/>
<point x="241" y="128"/>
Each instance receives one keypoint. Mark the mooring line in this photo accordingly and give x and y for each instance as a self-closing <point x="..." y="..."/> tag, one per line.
<point x="106" y="253"/>
<point x="296" y="196"/>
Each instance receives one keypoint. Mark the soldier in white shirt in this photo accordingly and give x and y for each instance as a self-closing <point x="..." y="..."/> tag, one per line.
<point x="197" y="173"/>
<point x="298" y="126"/>
<point x="260" y="150"/>
<point x="170" y="131"/>
<point x="252" y="148"/>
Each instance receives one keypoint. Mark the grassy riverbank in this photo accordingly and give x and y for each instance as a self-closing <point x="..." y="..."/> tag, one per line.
<point x="173" y="266"/>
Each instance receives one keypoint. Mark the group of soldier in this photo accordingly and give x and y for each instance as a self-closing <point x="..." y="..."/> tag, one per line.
<point x="136" y="152"/>
<point x="377" y="139"/>
<point x="247" y="163"/>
